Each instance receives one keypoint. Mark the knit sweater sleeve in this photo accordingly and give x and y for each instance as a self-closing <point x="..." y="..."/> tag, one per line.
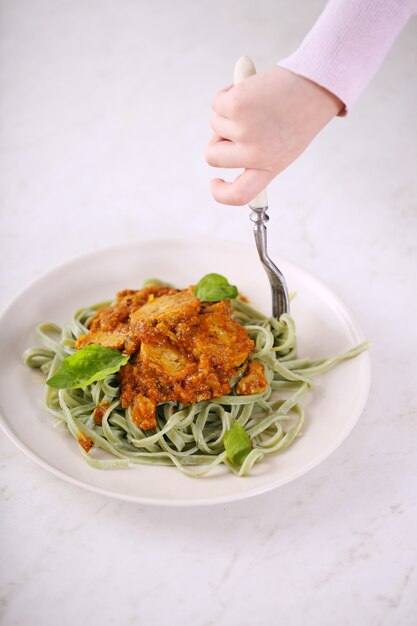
<point x="348" y="43"/>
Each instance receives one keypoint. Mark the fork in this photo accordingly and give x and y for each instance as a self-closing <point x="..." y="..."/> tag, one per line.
<point x="259" y="206"/>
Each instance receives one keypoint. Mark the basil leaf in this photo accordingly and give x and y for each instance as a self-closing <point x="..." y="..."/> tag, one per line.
<point x="91" y="363"/>
<point x="215" y="287"/>
<point x="237" y="444"/>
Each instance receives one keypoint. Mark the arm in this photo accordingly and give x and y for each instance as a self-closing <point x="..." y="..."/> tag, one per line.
<point x="348" y="43"/>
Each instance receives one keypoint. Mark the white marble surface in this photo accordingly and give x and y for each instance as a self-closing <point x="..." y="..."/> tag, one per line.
<point x="105" y="111"/>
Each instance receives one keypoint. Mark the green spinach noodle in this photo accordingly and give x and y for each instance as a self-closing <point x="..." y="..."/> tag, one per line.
<point x="189" y="437"/>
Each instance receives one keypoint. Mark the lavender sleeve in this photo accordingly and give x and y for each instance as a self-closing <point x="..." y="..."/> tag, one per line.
<point x="348" y="43"/>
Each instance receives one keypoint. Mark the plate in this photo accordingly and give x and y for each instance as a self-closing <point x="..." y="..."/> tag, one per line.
<point x="324" y="325"/>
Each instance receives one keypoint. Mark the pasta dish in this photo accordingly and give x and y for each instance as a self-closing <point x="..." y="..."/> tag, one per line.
<point x="187" y="377"/>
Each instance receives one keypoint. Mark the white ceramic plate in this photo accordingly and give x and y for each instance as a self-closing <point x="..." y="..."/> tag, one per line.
<point x="324" y="324"/>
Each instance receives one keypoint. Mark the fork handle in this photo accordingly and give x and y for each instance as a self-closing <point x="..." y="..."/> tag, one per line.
<point x="243" y="69"/>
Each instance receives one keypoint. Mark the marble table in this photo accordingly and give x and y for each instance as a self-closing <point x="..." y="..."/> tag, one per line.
<point x="105" y="110"/>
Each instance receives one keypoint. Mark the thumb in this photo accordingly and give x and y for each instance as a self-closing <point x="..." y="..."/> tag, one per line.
<point x="243" y="189"/>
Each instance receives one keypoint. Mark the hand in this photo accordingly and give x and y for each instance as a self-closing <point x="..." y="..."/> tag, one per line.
<point x="262" y="125"/>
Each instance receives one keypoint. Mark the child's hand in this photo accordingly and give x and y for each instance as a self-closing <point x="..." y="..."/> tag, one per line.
<point x="262" y="125"/>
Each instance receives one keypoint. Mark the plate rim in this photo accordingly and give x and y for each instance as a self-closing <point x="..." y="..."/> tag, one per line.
<point x="348" y="316"/>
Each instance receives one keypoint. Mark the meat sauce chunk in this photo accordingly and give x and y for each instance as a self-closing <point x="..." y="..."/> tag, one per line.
<point x="253" y="380"/>
<point x="182" y="350"/>
<point x="110" y="327"/>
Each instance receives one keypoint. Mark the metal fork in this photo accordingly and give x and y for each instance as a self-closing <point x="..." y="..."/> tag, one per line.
<point x="259" y="206"/>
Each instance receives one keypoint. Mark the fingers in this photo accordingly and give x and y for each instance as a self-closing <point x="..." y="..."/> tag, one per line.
<point x="226" y="149"/>
<point x="243" y="189"/>
<point x="223" y="102"/>
<point x="223" y="127"/>
<point x="227" y="88"/>
<point x="223" y="153"/>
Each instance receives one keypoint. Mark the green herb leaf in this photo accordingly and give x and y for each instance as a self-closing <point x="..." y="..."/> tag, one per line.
<point x="91" y="363"/>
<point x="237" y="444"/>
<point x="215" y="287"/>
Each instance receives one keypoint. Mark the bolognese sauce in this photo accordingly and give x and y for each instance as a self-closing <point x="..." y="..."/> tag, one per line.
<point x="183" y="350"/>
